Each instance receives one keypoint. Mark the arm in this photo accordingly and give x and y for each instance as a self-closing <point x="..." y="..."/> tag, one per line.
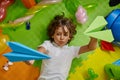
<point x="40" y="49"/>
<point x="91" y="46"/>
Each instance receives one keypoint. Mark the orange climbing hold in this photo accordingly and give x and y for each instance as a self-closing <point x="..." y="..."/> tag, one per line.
<point x="29" y="3"/>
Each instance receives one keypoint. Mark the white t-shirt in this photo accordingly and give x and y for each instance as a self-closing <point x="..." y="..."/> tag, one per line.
<point x="57" y="67"/>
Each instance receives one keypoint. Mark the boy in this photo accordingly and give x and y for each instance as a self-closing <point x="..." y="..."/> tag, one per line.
<point x="60" y="31"/>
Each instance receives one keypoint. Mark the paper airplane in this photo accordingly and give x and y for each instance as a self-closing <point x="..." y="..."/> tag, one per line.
<point x="95" y="30"/>
<point x="21" y="52"/>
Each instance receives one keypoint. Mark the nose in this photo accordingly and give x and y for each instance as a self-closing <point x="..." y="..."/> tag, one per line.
<point x="61" y="37"/>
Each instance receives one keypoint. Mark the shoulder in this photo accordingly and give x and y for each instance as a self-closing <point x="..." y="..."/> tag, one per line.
<point x="47" y="42"/>
<point x="74" y="48"/>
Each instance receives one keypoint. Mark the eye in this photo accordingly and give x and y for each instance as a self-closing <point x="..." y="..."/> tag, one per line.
<point x="66" y="34"/>
<point x="58" y="34"/>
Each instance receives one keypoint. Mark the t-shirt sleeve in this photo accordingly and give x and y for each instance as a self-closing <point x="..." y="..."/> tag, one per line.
<point x="44" y="44"/>
<point x="76" y="51"/>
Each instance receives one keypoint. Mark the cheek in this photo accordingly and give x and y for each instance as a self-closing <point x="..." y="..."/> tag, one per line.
<point x="67" y="38"/>
<point x="56" y="37"/>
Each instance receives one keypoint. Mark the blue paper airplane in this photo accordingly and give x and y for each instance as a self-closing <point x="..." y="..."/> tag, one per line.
<point x="21" y="52"/>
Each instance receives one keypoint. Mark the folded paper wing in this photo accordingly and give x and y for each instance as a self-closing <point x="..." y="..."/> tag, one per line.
<point x="95" y="30"/>
<point x="102" y="35"/>
<point x="15" y="57"/>
<point x="98" y="24"/>
<point x="21" y="52"/>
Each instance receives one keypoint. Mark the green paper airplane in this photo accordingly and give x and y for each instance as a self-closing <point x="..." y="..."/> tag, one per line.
<point x="95" y="30"/>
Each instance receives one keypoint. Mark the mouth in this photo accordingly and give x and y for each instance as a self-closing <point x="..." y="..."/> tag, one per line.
<point x="61" y="42"/>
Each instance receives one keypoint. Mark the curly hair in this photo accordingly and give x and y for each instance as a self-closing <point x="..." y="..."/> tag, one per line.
<point x="61" y="21"/>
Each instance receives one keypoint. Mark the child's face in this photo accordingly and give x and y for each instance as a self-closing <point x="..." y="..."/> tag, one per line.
<point x="61" y="36"/>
